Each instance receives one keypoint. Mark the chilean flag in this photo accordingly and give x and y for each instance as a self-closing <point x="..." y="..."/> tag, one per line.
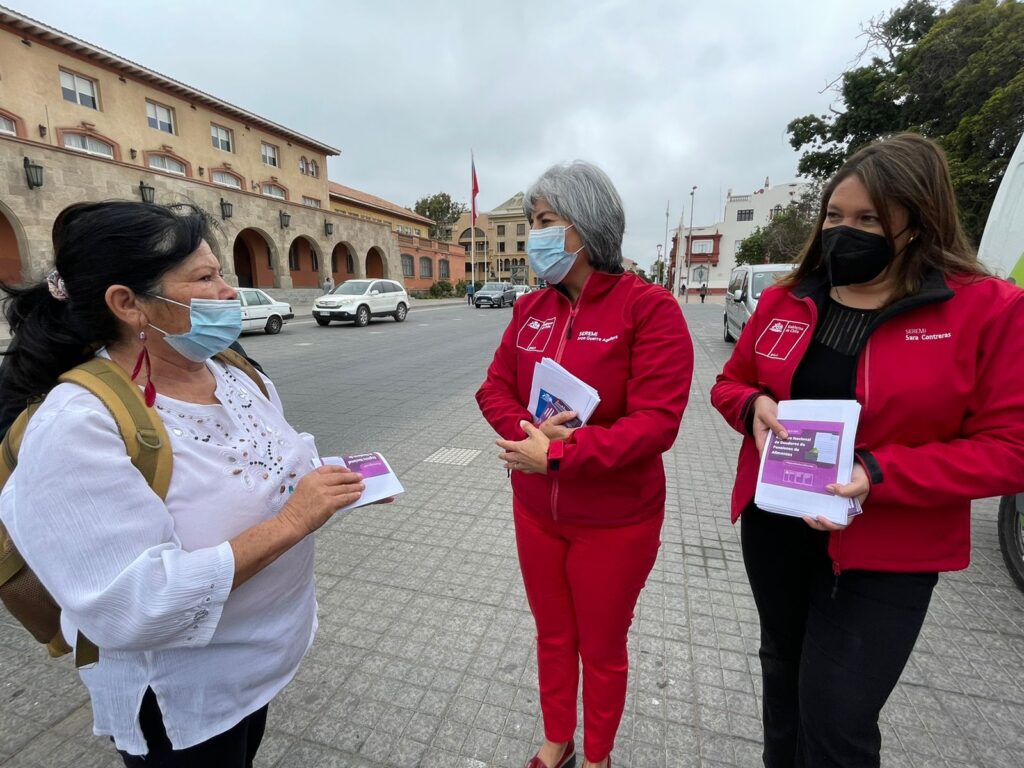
<point x="476" y="186"/>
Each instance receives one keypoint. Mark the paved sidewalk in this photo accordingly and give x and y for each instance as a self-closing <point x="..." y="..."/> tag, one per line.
<point x="425" y="655"/>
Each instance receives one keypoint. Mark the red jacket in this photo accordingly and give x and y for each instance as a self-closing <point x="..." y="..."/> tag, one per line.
<point x="942" y="418"/>
<point x="627" y="339"/>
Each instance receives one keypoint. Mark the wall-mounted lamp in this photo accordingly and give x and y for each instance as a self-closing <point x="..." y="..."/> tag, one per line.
<point x="33" y="174"/>
<point x="202" y="171"/>
<point x="147" y="192"/>
<point x="328" y="227"/>
<point x="286" y="220"/>
<point x="133" y="152"/>
<point x="42" y="131"/>
<point x="227" y="210"/>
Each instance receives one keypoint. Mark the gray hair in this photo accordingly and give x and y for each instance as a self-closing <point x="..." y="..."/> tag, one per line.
<point x="583" y="194"/>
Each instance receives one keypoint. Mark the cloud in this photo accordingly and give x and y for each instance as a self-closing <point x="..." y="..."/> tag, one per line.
<point x="662" y="95"/>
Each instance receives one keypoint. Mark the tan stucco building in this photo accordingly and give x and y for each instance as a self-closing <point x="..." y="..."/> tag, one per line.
<point x="96" y="126"/>
<point x="500" y="243"/>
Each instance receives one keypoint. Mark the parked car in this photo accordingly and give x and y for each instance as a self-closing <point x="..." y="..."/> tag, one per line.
<point x="359" y="300"/>
<point x="1002" y="250"/>
<point x="522" y="290"/>
<point x="746" y="283"/>
<point x="495" y="295"/>
<point x="261" y="312"/>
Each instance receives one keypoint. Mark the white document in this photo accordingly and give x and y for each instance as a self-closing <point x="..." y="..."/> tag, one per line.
<point x="795" y="473"/>
<point x="380" y="480"/>
<point x="555" y="390"/>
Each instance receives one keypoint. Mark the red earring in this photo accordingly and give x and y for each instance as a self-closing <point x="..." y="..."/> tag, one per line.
<point x="143" y="358"/>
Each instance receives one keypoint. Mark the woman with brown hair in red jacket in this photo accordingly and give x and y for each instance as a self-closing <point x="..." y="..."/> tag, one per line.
<point x="889" y="306"/>
<point x="588" y="503"/>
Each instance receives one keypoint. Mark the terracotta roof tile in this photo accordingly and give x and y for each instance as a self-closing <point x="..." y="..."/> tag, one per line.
<point x="372" y="201"/>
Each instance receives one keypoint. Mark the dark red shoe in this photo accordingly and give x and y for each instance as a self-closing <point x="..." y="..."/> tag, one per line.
<point x="567" y="760"/>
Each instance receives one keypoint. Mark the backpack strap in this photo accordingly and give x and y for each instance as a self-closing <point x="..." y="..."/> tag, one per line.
<point x="241" y="362"/>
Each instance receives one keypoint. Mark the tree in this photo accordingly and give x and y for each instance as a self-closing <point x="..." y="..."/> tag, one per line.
<point x="953" y="75"/>
<point x="441" y="209"/>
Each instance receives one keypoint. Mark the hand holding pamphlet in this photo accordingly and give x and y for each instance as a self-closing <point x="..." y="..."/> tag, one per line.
<point x="795" y="473"/>
<point x="380" y="480"/>
<point x="555" y="390"/>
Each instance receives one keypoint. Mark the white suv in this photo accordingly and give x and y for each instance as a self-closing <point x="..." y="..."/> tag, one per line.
<point x="359" y="300"/>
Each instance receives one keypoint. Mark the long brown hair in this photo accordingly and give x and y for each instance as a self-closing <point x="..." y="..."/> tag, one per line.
<point x="909" y="170"/>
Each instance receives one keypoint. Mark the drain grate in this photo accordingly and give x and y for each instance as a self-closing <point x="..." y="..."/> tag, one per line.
<point x="459" y="457"/>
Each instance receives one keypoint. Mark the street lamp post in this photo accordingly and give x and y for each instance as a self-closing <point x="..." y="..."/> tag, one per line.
<point x="689" y="247"/>
<point x="658" y="266"/>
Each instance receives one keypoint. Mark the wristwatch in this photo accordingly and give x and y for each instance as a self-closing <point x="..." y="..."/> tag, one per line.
<point x="556" y="450"/>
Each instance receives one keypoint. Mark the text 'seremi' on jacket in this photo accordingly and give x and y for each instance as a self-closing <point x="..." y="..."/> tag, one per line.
<point x="942" y="412"/>
<point x="627" y="339"/>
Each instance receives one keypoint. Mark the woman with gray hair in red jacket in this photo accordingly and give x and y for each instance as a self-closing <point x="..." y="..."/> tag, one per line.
<point x="890" y="307"/>
<point x="588" y="502"/>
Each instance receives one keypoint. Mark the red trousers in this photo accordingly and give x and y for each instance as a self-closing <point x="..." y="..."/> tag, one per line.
<point x="582" y="583"/>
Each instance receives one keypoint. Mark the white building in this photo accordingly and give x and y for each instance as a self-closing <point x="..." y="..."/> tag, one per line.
<point x="713" y="253"/>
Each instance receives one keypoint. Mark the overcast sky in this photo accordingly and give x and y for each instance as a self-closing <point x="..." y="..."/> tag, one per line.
<point x="662" y="95"/>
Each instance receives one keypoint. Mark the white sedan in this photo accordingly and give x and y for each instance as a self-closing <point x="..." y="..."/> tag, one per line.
<point x="260" y="312"/>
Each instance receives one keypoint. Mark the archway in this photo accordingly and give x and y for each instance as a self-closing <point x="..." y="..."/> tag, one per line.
<point x="304" y="263"/>
<point x="254" y="254"/>
<point x="375" y="263"/>
<point x="10" y="248"/>
<point x="343" y="263"/>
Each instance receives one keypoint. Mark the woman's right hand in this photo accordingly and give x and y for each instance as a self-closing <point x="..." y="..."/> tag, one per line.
<point x="319" y="495"/>
<point x="766" y="419"/>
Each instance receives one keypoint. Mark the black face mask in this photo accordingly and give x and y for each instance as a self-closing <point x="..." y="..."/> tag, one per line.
<point x="854" y="256"/>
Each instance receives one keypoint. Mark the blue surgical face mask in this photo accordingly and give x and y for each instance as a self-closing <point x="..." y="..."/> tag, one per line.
<point x="548" y="258"/>
<point x="216" y="323"/>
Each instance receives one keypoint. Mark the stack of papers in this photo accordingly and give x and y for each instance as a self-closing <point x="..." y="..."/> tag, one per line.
<point x="555" y="390"/>
<point x="380" y="480"/>
<point x="795" y="472"/>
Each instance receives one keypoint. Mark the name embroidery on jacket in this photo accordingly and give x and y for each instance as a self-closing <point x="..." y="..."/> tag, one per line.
<point x="535" y="334"/>
<point x="780" y="338"/>
<point x="595" y="336"/>
<point x="922" y="334"/>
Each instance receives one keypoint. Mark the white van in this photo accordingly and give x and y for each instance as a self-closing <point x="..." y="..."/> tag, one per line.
<point x="745" y="286"/>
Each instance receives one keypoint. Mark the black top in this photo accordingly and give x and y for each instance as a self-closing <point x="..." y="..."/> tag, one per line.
<point x="828" y="369"/>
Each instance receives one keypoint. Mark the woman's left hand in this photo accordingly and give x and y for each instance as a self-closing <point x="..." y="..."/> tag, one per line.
<point x="859" y="487"/>
<point x="529" y="455"/>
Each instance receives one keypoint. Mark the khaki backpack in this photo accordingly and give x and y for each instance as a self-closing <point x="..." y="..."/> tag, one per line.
<point x="145" y="440"/>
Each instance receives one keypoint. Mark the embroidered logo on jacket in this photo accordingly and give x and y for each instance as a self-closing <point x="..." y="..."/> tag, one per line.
<point x="780" y="338"/>
<point x="535" y="334"/>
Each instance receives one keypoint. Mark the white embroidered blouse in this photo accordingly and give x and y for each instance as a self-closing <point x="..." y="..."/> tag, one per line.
<point x="148" y="581"/>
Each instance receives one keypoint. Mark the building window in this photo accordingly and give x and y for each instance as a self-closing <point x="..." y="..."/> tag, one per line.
<point x="226" y="179"/>
<point x="442" y="269"/>
<point x="506" y="265"/>
<point x="501" y="230"/>
<point x="774" y="211"/>
<point x="7" y="126"/>
<point x="314" y="169"/>
<point x="78" y="89"/>
<point x="520" y="229"/>
<point x="703" y="246"/>
<point x="501" y="246"/>
<point x="269" y="154"/>
<point x="520" y="246"/>
<point x="314" y="260"/>
<point x="160" y="117"/>
<point x="87" y="144"/>
<point x="312" y="202"/>
<point x="303" y="168"/>
<point x="221" y="137"/>
<point x="293" y="256"/>
<point x="407" y="266"/>
<point x="350" y="265"/>
<point x="273" y="190"/>
<point x="169" y="164"/>
<point x="745" y="214"/>
<point x="426" y="267"/>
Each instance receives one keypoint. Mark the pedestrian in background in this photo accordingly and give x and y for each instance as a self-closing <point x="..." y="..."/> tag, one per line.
<point x="588" y="503"/>
<point x="470" y="291"/>
<point x="328" y="284"/>
<point x="889" y="306"/>
<point x="703" y="292"/>
<point x="202" y="603"/>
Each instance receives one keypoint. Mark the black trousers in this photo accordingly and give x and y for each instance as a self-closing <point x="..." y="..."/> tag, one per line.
<point x="235" y="748"/>
<point x="832" y="648"/>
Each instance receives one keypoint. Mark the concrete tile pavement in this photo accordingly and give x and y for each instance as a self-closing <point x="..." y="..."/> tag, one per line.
<point x="425" y="655"/>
